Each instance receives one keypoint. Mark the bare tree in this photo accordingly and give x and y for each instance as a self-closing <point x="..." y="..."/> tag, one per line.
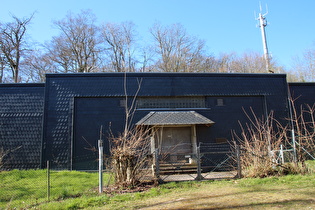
<point x="119" y="41"/>
<point x="13" y="44"/>
<point x="76" y="48"/>
<point x="38" y="64"/>
<point x="60" y="54"/>
<point x="2" y="66"/>
<point x="304" y="67"/>
<point x="176" y="50"/>
<point x="225" y="61"/>
<point x="294" y="76"/>
<point x="248" y="62"/>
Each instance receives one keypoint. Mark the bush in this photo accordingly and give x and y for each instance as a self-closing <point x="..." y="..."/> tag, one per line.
<point x="129" y="154"/>
<point x="260" y="141"/>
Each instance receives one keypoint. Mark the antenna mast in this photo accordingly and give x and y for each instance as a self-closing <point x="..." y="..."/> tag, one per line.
<point x="262" y="25"/>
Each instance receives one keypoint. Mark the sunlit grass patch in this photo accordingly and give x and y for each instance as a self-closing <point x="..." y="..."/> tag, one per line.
<point x="23" y="188"/>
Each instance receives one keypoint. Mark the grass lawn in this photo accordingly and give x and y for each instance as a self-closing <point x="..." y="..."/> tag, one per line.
<point x="27" y="188"/>
<point x="290" y="192"/>
<point x="78" y="190"/>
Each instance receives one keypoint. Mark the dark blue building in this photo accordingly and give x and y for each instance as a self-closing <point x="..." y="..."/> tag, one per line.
<point x="60" y="120"/>
<point x="21" y="123"/>
<point x="77" y="105"/>
<point x="303" y="97"/>
<point x="302" y="93"/>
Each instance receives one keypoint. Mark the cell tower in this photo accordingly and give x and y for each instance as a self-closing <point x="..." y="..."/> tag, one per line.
<point x="262" y="25"/>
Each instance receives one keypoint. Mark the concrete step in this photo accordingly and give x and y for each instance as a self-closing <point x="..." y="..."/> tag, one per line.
<point x="166" y="169"/>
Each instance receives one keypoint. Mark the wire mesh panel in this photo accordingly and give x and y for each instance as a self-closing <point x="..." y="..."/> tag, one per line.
<point x="212" y="161"/>
<point x="282" y="156"/>
<point x="217" y="161"/>
<point x="28" y="189"/>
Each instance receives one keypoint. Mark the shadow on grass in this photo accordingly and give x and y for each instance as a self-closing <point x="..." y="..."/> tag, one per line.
<point x="197" y="202"/>
<point x="278" y="204"/>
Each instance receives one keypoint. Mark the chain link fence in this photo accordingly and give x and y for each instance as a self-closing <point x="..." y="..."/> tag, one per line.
<point x="28" y="188"/>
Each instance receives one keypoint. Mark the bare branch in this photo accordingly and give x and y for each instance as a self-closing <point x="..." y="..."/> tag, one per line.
<point x="12" y="43"/>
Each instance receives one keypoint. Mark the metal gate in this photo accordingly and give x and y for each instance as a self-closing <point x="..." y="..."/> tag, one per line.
<point x="218" y="161"/>
<point x="212" y="161"/>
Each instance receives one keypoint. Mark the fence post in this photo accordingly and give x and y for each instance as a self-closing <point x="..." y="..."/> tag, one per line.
<point x="100" y="161"/>
<point x="281" y="154"/>
<point x="199" y="176"/>
<point x="238" y="159"/>
<point x="294" y="146"/>
<point x="100" y="165"/>
<point x="48" y="180"/>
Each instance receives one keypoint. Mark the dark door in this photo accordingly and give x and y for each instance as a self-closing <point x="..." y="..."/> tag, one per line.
<point x="174" y="143"/>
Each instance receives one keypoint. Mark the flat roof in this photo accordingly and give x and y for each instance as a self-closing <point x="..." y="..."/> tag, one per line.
<point x="163" y="74"/>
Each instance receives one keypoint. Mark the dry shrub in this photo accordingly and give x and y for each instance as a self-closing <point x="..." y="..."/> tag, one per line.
<point x="303" y="123"/>
<point x="130" y="151"/>
<point x="4" y="155"/>
<point x="261" y="138"/>
<point x="130" y="156"/>
<point x="292" y="168"/>
<point x="258" y="140"/>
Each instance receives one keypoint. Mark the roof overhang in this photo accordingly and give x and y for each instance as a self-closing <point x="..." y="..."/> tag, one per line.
<point x="163" y="118"/>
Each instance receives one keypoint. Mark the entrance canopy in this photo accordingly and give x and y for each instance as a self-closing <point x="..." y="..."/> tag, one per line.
<point x="174" y="118"/>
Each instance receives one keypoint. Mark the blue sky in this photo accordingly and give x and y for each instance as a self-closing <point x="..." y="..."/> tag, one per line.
<point x="226" y="25"/>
